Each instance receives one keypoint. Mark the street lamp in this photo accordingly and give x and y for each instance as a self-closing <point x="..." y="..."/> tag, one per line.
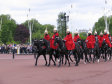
<point x="65" y="19"/>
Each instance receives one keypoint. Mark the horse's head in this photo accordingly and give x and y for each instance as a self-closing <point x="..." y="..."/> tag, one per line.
<point x="46" y="44"/>
<point x="42" y="43"/>
<point x="104" y="44"/>
<point x="35" y="45"/>
<point x="56" y="40"/>
<point x="84" y="46"/>
<point x="79" y="41"/>
<point x="35" y="42"/>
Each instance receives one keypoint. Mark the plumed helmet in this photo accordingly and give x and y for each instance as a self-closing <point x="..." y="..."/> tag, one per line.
<point x="101" y="33"/>
<point x="89" y="32"/>
<point x="46" y="30"/>
<point x="55" y="29"/>
<point x="95" y="32"/>
<point x="105" y="31"/>
<point x="68" y="30"/>
<point x="108" y="32"/>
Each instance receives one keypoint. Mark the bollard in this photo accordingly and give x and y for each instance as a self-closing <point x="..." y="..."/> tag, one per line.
<point x="13" y="52"/>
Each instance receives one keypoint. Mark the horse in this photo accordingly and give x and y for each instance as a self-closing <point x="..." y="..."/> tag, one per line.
<point x="62" y="50"/>
<point x="42" y="47"/>
<point x="83" y="50"/>
<point x="105" y="50"/>
<point x="67" y="53"/>
<point x="88" y="52"/>
<point x="96" y="52"/>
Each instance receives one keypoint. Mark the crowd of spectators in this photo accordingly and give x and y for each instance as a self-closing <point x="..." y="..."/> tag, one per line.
<point x="19" y="49"/>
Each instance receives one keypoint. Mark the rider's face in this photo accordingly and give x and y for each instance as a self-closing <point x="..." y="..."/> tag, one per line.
<point x="67" y="32"/>
<point x="55" y="31"/>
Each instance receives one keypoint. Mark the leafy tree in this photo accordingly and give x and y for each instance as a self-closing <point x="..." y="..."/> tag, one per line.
<point x="100" y="25"/>
<point x="21" y="34"/>
<point x="7" y="29"/>
<point x="5" y="34"/>
<point x="10" y="34"/>
<point x="83" y="35"/>
<point x="38" y="29"/>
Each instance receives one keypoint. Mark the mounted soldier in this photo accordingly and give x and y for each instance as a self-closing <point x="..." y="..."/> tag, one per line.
<point x="46" y="35"/>
<point x="106" y="38"/>
<point x="53" y="47"/>
<point x="76" y="36"/>
<point x="69" y="41"/>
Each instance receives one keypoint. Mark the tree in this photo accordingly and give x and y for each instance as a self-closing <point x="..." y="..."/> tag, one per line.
<point x="83" y="35"/>
<point x="100" y="25"/>
<point x="7" y="29"/>
<point x="21" y="34"/>
<point x="38" y="29"/>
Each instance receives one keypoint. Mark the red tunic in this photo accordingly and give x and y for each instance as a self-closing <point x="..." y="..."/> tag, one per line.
<point x="47" y="37"/>
<point x="100" y="41"/>
<point x="76" y="37"/>
<point x="70" y="45"/>
<point x="52" y="41"/>
<point x="90" y="41"/>
<point x="107" y="39"/>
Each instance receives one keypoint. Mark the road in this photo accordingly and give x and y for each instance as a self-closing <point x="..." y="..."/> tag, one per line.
<point x="21" y="70"/>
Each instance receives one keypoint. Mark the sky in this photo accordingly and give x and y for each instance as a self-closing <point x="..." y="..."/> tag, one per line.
<point x="83" y="14"/>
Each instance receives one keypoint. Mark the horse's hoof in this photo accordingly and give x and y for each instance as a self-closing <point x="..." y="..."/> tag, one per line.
<point x="45" y="64"/>
<point x="35" y="64"/>
<point x="93" y="61"/>
<point x="84" y="62"/>
<point x="76" y="64"/>
<point x="105" y="60"/>
<point x="69" y="65"/>
<point x="98" y="60"/>
<point x="48" y="65"/>
<point x="88" y="61"/>
<point x="59" y="65"/>
<point x="54" y="64"/>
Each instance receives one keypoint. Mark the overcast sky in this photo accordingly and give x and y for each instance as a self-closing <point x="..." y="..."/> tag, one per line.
<point x="83" y="14"/>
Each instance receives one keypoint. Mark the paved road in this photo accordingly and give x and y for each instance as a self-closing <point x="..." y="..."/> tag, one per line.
<point x="22" y="71"/>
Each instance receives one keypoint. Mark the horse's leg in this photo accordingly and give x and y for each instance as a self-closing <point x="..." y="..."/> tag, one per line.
<point x="62" y="59"/>
<point x="86" y="57"/>
<point x="94" y="55"/>
<point x="76" y="59"/>
<point x="90" y="58"/>
<point x="34" y="55"/>
<point x="37" y="59"/>
<point x="98" y="57"/>
<point x="50" y="56"/>
<point x="105" y="56"/>
<point x="59" y="60"/>
<point x="65" y="60"/>
<point x="81" y="53"/>
<point x="53" y="61"/>
<point x="66" y="56"/>
<point x="45" y="59"/>
<point x="110" y="56"/>
<point x="70" y="56"/>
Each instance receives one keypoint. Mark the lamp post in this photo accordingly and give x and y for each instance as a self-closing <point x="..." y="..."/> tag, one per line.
<point x="65" y="19"/>
<point x="30" y="27"/>
<point x="105" y="16"/>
